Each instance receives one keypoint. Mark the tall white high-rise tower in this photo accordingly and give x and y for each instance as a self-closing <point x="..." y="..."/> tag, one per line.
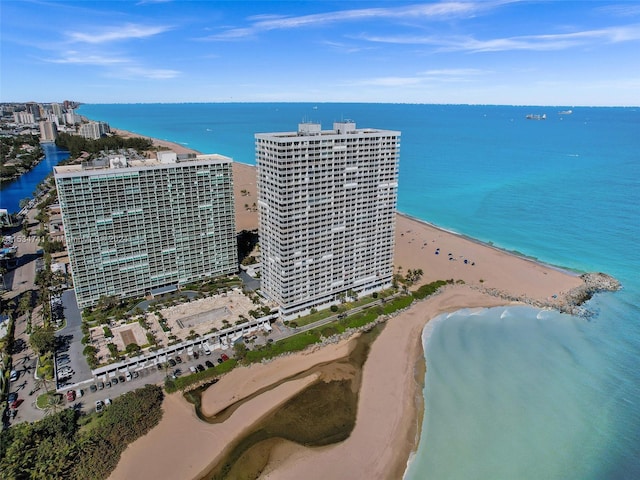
<point x="327" y="208"/>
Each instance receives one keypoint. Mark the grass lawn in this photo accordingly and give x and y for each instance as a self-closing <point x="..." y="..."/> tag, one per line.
<point x="43" y="400"/>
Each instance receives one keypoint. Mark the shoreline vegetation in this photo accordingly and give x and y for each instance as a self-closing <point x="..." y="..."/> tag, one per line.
<point x="18" y="155"/>
<point x="389" y="380"/>
<point x="66" y="444"/>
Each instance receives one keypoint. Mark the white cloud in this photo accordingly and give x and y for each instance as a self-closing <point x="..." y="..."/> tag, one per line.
<point x="390" y="81"/>
<point x="443" y="10"/>
<point x="621" y="10"/>
<point x="426" y="77"/>
<point x="125" y="32"/>
<point x="344" y="47"/>
<point x="119" y="67"/>
<point x="85" y="59"/>
<point x="545" y="42"/>
<point x="458" y="72"/>
<point x="157" y="73"/>
<point x="151" y="2"/>
<point x="144" y="73"/>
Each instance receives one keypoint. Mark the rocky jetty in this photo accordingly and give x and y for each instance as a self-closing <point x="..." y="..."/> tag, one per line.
<point x="570" y="302"/>
<point x="593" y="283"/>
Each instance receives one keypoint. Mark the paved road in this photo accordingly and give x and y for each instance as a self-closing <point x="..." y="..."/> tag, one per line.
<point x="24" y="359"/>
<point x="250" y="284"/>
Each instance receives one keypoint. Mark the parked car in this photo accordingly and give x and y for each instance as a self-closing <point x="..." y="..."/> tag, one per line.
<point x="100" y="385"/>
<point x="208" y="364"/>
<point x="107" y="401"/>
<point x="13" y="396"/>
<point x="121" y="379"/>
<point x="206" y="349"/>
<point x="13" y="376"/>
<point x="224" y="357"/>
<point x="193" y="369"/>
<point x="172" y="362"/>
<point x="107" y="384"/>
<point x="114" y="381"/>
<point x="71" y="396"/>
<point x="99" y="405"/>
<point x="135" y="374"/>
<point x="200" y="367"/>
<point x="178" y="360"/>
<point x="177" y="372"/>
<point x="128" y="376"/>
<point x="79" y="393"/>
<point x="93" y="388"/>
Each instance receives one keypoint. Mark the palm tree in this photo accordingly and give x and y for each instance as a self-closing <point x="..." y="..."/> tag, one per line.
<point x="41" y="382"/>
<point x="54" y="404"/>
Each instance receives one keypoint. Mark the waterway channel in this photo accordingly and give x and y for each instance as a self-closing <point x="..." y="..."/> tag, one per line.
<point x="24" y="186"/>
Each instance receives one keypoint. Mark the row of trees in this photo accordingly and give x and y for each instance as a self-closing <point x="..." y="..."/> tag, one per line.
<point x="62" y="446"/>
<point x="77" y="144"/>
<point x="12" y="149"/>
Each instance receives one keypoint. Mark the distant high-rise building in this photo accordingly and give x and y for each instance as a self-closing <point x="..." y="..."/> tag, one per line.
<point x="24" y="118"/>
<point x="136" y="226"/>
<point x="327" y="208"/>
<point x="48" y="131"/>
<point x="35" y="109"/>
<point x="93" y="130"/>
<point x="71" y="118"/>
<point x="56" y="108"/>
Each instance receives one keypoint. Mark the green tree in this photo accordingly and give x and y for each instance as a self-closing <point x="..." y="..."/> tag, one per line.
<point x="240" y="351"/>
<point x="43" y="340"/>
<point x="107" y="302"/>
<point x="24" y="304"/>
<point x="41" y="382"/>
<point x="113" y="350"/>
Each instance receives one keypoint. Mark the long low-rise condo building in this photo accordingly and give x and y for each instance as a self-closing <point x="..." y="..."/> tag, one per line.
<point x="140" y="226"/>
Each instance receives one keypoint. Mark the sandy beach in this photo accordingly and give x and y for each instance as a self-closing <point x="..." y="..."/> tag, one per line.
<point x="183" y="447"/>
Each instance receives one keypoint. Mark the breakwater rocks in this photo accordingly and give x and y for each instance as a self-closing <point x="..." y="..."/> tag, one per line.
<point x="567" y="302"/>
<point x="593" y="283"/>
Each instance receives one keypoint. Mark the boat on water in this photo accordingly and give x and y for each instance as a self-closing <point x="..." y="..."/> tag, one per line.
<point x="532" y="116"/>
<point x="565" y="112"/>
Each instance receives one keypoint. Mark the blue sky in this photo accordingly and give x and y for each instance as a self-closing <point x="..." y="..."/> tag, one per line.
<point x="477" y="52"/>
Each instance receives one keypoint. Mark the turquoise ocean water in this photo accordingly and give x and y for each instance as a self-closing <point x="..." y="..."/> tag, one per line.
<point x="511" y="393"/>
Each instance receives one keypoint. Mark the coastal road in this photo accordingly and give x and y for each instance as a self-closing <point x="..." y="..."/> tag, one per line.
<point x="23" y="357"/>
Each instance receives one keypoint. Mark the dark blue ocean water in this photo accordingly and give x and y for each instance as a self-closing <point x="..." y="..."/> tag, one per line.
<point x="510" y="393"/>
<point x="25" y="186"/>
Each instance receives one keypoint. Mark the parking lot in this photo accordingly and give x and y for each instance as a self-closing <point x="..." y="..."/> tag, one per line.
<point x="71" y="365"/>
<point x="107" y="387"/>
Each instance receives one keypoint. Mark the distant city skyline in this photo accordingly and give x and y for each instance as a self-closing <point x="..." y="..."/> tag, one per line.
<point x="471" y="52"/>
